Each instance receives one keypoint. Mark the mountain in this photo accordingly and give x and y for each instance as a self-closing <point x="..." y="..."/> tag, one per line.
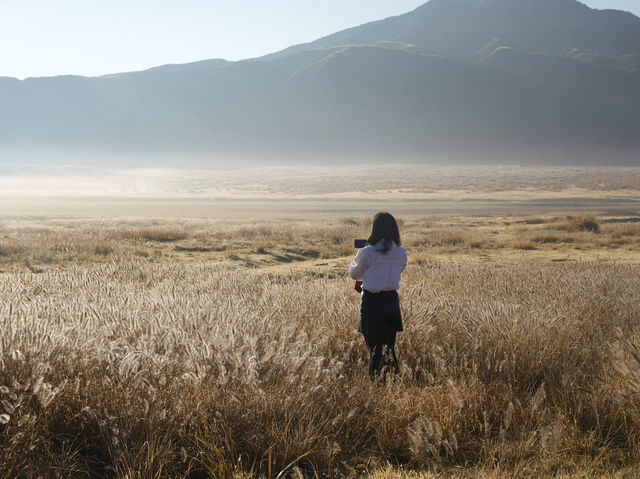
<point x="452" y="81"/>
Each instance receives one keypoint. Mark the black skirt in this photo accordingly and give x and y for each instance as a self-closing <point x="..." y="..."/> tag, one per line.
<point x="379" y="313"/>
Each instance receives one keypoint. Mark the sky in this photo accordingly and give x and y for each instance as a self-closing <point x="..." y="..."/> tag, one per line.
<point x="96" y="37"/>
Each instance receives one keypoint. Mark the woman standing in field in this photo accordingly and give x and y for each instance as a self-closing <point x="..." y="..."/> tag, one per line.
<point x="379" y="266"/>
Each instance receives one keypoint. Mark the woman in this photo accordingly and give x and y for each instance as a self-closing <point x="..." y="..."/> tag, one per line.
<point x="379" y="266"/>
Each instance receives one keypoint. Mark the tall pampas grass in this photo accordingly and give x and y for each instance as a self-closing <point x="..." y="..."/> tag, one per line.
<point x="137" y="368"/>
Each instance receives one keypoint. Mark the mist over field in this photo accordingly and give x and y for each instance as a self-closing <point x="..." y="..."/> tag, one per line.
<point x="294" y="192"/>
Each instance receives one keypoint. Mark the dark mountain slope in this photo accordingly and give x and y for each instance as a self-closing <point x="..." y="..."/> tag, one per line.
<point x="360" y="101"/>
<point x="586" y="82"/>
<point x="442" y="103"/>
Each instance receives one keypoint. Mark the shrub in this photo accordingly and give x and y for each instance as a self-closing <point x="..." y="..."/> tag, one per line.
<point x="8" y="249"/>
<point x="103" y="249"/>
<point x="161" y="235"/>
<point x="584" y="223"/>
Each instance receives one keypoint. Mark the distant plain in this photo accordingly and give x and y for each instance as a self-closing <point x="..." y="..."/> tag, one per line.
<point x="299" y="193"/>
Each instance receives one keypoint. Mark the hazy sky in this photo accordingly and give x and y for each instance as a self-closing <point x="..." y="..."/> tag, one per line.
<point x="94" y="37"/>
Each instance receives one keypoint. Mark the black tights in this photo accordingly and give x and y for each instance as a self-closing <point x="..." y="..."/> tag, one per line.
<point x="382" y="353"/>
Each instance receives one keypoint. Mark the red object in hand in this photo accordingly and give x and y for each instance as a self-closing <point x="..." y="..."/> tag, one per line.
<point x="358" y="286"/>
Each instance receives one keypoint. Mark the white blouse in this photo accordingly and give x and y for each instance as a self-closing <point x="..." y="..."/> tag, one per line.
<point x="379" y="271"/>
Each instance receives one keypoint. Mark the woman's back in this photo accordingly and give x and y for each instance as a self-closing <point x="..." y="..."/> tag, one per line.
<point x="379" y="270"/>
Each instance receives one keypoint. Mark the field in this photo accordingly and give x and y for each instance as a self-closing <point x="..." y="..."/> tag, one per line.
<point x="212" y="342"/>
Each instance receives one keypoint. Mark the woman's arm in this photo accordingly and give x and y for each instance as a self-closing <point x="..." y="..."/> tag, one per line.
<point x="358" y="266"/>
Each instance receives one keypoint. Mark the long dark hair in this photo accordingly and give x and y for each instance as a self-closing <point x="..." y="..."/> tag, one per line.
<point x="385" y="229"/>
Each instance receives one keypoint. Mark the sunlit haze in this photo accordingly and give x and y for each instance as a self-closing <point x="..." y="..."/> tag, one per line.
<point x="91" y="37"/>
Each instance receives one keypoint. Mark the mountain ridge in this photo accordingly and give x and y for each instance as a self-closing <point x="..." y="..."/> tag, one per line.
<point x="438" y="17"/>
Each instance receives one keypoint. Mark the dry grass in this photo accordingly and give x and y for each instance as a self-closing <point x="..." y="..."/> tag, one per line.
<point x="472" y="473"/>
<point x="49" y="244"/>
<point x="621" y="230"/>
<point x="55" y="243"/>
<point x="183" y="365"/>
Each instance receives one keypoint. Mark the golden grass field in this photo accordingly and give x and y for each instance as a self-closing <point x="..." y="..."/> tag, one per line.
<point x="224" y="345"/>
